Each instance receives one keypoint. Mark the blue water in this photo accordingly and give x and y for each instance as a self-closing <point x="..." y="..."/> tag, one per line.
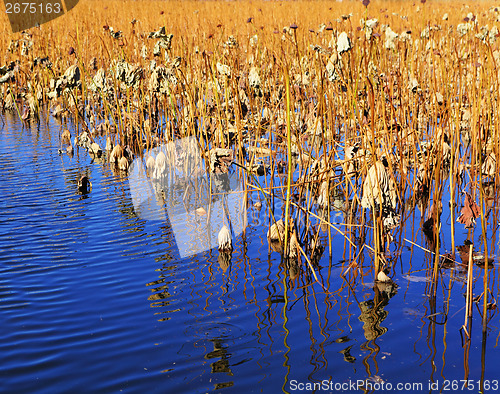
<point x="94" y="299"/>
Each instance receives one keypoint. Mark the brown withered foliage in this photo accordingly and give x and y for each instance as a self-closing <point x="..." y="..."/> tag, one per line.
<point x="220" y="160"/>
<point x="469" y="212"/>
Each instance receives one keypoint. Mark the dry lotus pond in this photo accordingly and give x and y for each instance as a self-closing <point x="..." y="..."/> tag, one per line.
<point x="251" y="195"/>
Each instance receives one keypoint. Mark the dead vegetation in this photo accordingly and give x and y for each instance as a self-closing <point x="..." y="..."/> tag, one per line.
<point x="371" y="114"/>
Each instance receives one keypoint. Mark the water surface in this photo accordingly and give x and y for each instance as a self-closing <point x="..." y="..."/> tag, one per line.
<point x="94" y="298"/>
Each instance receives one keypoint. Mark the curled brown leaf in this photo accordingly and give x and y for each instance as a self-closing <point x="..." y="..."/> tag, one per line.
<point x="469" y="212"/>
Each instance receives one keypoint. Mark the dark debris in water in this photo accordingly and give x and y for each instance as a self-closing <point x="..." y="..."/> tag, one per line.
<point x="84" y="185"/>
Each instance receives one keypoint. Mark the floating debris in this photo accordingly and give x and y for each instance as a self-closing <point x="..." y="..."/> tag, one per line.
<point x="477" y="258"/>
<point x="84" y="185"/>
<point x="382" y="277"/>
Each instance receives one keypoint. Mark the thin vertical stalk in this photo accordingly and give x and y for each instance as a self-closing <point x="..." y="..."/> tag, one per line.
<point x="289" y="152"/>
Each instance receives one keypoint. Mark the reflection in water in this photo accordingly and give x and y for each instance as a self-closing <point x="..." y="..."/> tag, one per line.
<point x="222" y="365"/>
<point x="224" y="260"/>
<point x="347" y="355"/>
<point x="372" y="316"/>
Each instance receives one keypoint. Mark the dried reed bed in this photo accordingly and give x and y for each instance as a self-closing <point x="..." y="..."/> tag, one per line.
<point x="373" y="111"/>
